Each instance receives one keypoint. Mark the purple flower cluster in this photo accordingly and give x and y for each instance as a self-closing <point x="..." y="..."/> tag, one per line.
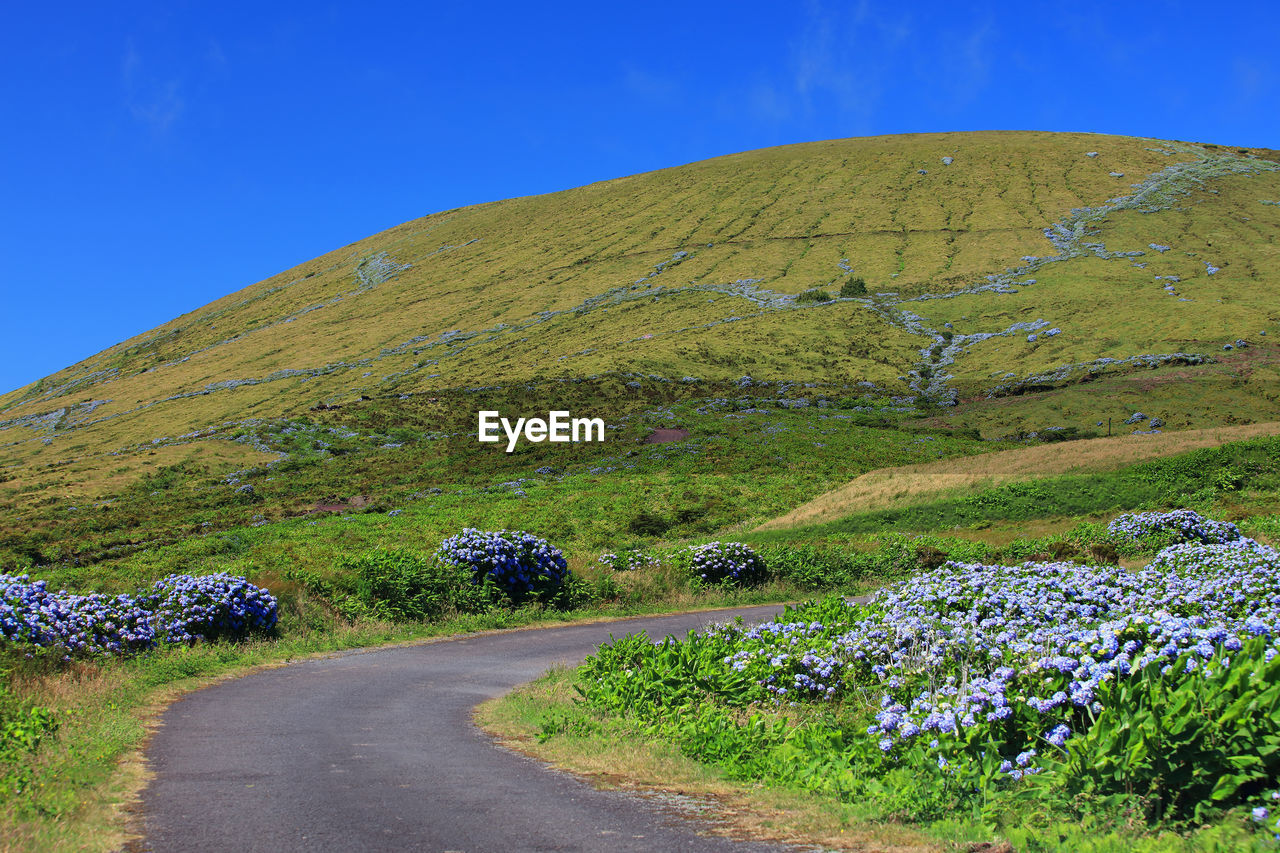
<point x="1048" y="634"/>
<point x="179" y="609"/>
<point x="628" y="561"/>
<point x="518" y="562"/>
<point x="1021" y="765"/>
<point x="969" y="652"/>
<point x="1185" y="525"/>
<point x="732" y="561"/>
<point x="188" y="608"/>
<point x="82" y="624"/>
<point x="1264" y="815"/>
<point x="770" y="651"/>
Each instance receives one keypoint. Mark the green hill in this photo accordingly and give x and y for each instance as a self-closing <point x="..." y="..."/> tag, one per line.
<point x="1015" y="283"/>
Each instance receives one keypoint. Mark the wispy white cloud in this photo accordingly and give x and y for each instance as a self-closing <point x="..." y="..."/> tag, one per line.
<point x="835" y="64"/>
<point x="849" y="60"/>
<point x="1254" y="80"/>
<point x="154" y="101"/>
<point x="960" y="64"/>
<point x="647" y="86"/>
<point x="766" y="103"/>
<point x="215" y="55"/>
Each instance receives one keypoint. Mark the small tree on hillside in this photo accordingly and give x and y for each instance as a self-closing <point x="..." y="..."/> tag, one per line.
<point x="853" y="287"/>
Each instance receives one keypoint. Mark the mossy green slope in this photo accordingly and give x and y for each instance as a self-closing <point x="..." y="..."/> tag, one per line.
<point x="693" y="271"/>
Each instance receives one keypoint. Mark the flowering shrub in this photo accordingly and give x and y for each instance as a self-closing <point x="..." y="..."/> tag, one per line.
<point x="1042" y="642"/>
<point x="179" y="609"/>
<point x="732" y="561"/>
<point x="1213" y="564"/>
<point x="519" y="563"/>
<point x="188" y="608"/>
<point x="1164" y="680"/>
<point x="1182" y="525"/>
<point x="628" y="561"/>
<point x="1265" y="816"/>
<point x="82" y="624"/>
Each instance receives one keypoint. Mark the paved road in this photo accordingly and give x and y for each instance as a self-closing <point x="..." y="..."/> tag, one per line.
<point x="376" y="751"/>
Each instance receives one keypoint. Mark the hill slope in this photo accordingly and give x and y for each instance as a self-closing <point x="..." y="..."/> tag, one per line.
<point x="1002" y="269"/>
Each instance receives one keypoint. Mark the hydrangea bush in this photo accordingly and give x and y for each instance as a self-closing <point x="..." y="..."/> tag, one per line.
<point x="178" y="609"/>
<point x="1164" y="679"/>
<point x="30" y="614"/>
<point x="628" y="561"/>
<point x="1180" y="525"/>
<point x="187" y="608"/>
<point x="1269" y="815"/>
<point x="518" y="563"/>
<point x="1038" y="642"/>
<point x="716" y="562"/>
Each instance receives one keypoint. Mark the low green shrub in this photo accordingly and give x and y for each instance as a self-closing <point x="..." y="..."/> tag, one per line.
<point x="579" y="592"/>
<point x="402" y="586"/>
<point x="646" y="523"/>
<point x="22" y="728"/>
<point x="842" y="567"/>
<point x="818" y="567"/>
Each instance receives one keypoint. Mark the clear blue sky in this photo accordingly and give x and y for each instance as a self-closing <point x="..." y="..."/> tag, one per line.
<point x="156" y="156"/>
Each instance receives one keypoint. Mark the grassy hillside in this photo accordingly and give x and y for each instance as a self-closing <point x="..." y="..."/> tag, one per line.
<point x="874" y="355"/>
<point x="1009" y="278"/>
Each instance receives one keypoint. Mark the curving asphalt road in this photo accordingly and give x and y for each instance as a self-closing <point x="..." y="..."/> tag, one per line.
<point x="375" y="751"/>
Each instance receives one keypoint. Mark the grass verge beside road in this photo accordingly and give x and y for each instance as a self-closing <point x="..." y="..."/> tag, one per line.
<point x="595" y="747"/>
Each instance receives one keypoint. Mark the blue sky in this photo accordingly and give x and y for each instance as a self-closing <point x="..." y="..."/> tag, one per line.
<point x="155" y="157"/>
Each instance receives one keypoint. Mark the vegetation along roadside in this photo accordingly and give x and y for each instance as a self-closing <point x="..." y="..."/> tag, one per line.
<point x="1047" y="705"/>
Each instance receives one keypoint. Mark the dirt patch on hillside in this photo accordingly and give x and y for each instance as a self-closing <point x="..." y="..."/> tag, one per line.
<point x="662" y="436"/>
<point x="342" y="505"/>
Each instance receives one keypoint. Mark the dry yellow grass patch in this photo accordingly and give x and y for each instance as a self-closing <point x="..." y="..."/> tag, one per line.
<point x="886" y="488"/>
